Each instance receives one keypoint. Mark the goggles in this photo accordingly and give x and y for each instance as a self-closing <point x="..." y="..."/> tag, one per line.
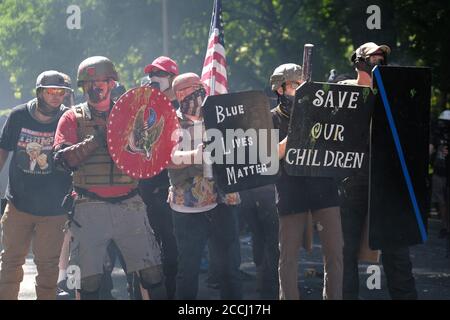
<point x="55" y="91"/>
<point x="159" y="73"/>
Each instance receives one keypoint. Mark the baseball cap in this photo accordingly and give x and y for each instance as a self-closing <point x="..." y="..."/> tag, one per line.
<point x="369" y="49"/>
<point x="163" y="63"/>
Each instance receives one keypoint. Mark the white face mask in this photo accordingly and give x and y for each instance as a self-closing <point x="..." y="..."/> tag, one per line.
<point x="162" y="83"/>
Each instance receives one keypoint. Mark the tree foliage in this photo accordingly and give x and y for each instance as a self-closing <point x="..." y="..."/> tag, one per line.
<point x="259" y="35"/>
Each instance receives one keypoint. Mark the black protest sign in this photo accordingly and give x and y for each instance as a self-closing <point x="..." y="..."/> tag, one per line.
<point x="243" y="155"/>
<point x="329" y="130"/>
<point x="399" y="163"/>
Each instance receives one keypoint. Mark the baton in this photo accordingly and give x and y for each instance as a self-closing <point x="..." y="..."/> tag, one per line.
<point x="307" y="62"/>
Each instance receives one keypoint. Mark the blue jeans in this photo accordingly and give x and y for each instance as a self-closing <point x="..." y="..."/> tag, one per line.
<point x="220" y="226"/>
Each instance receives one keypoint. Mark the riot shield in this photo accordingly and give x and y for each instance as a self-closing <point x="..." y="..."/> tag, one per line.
<point x="142" y="130"/>
<point x="329" y="131"/>
<point x="399" y="156"/>
<point x="241" y="140"/>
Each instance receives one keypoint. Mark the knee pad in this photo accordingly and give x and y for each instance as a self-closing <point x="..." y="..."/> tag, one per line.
<point x="91" y="283"/>
<point x="151" y="277"/>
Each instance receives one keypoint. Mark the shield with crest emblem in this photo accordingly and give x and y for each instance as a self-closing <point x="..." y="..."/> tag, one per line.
<point x="142" y="132"/>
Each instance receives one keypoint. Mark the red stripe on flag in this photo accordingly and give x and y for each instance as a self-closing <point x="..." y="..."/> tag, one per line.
<point x="216" y="56"/>
<point x="213" y="41"/>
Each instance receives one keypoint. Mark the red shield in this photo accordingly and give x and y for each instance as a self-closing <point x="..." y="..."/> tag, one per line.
<point x="141" y="131"/>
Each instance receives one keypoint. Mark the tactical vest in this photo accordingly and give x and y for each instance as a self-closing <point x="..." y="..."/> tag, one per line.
<point x="99" y="170"/>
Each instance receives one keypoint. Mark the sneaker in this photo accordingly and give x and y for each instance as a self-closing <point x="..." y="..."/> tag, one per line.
<point x="64" y="293"/>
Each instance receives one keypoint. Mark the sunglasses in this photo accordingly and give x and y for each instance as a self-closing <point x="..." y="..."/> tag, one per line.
<point x="55" y="91"/>
<point x="158" y="73"/>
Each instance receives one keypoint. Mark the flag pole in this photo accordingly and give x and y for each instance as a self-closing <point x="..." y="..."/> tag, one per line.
<point x="212" y="83"/>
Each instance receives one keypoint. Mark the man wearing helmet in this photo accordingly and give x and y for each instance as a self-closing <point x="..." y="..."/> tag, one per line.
<point x="396" y="261"/>
<point x="107" y="205"/>
<point x="300" y="195"/>
<point x="200" y="211"/>
<point x="160" y="75"/>
<point x="35" y="190"/>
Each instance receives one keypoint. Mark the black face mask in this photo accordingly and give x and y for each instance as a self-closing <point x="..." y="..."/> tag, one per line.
<point x="94" y="94"/>
<point x="367" y="66"/>
<point x="287" y="103"/>
<point x="45" y="109"/>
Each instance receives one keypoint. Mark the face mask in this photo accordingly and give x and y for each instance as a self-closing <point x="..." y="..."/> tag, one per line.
<point x="160" y="83"/>
<point x="367" y="66"/>
<point x="287" y="103"/>
<point x="291" y="99"/>
<point x="95" y="94"/>
<point x="45" y="109"/>
<point x="192" y="104"/>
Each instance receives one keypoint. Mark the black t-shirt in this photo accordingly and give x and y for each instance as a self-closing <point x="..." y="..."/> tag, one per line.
<point x="301" y="194"/>
<point x="34" y="185"/>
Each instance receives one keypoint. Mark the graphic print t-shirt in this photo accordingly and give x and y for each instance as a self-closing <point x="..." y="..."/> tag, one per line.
<point x="34" y="185"/>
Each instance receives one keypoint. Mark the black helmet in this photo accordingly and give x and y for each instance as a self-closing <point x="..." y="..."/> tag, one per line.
<point x="51" y="79"/>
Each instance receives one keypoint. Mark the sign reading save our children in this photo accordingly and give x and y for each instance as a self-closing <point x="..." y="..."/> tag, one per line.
<point x="329" y="130"/>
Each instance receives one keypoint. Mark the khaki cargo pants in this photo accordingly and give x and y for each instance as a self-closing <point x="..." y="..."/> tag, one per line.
<point x="20" y="229"/>
<point x="125" y="223"/>
<point x="292" y="228"/>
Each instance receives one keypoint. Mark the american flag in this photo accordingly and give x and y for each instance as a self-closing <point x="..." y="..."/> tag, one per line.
<point x="214" y="74"/>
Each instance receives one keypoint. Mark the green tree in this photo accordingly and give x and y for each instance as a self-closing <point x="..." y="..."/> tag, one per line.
<point x="259" y="35"/>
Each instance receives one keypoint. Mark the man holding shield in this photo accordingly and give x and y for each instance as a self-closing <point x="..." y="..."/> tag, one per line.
<point x="200" y="212"/>
<point x="108" y="207"/>
<point x="396" y="261"/>
<point x="300" y="195"/>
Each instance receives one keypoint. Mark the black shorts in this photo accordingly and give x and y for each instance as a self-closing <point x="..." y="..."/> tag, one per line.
<point x="303" y="194"/>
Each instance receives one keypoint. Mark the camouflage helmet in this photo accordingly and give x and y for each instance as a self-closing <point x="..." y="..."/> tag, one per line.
<point x="285" y="72"/>
<point x="96" y="68"/>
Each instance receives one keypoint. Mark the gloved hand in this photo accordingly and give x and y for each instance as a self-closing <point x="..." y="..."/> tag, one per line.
<point x="73" y="156"/>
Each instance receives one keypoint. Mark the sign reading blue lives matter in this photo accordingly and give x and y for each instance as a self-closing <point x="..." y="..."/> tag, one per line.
<point x="329" y="130"/>
<point x="246" y="128"/>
